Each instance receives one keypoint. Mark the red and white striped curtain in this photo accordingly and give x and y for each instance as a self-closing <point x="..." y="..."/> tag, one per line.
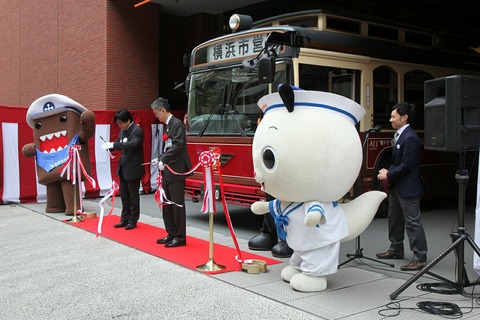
<point x="18" y="178"/>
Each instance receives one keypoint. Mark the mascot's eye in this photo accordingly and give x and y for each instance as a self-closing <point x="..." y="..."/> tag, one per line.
<point x="38" y="125"/>
<point x="268" y="158"/>
<point x="63" y="119"/>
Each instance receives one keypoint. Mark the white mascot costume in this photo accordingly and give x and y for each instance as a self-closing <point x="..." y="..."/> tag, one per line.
<point x="307" y="154"/>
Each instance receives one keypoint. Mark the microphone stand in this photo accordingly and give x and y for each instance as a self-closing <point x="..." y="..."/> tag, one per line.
<point x="358" y="250"/>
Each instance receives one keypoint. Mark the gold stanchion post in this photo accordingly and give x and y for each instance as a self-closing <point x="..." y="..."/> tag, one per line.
<point x="210" y="265"/>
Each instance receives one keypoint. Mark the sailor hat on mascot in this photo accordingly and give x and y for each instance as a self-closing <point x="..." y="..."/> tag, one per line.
<point x="307" y="154"/>
<point x="58" y="123"/>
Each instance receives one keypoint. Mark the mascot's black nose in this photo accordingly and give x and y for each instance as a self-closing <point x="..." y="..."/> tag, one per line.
<point x="287" y="95"/>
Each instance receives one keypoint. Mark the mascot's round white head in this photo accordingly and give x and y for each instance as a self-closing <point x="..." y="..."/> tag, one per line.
<point x="306" y="147"/>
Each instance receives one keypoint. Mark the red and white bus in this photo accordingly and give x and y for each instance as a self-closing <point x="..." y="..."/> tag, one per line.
<point x="374" y="64"/>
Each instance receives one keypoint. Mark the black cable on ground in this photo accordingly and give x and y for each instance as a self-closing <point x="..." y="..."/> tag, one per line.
<point x="445" y="309"/>
<point x="442" y="288"/>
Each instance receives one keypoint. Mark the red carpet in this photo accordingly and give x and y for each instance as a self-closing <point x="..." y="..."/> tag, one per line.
<point x="145" y="236"/>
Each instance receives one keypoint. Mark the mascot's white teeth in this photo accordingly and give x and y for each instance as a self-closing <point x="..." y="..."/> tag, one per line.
<point x="53" y="150"/>
<point x="51" y="135"/>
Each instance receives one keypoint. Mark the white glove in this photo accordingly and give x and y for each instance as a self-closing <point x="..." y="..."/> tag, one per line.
<point x="154" y="162"/>
<point x="107" y="145"/>
<point x="160" y="165"/>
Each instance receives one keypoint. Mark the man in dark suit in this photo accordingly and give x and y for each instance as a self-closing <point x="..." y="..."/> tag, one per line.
<point x="130" y="169"/>
<point x="176" y="157"/>
<point x="406" y="189"/>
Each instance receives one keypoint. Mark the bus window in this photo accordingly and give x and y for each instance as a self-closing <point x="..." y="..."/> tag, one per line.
<point x="224" y="102"/>
<point x="385" y="95"/>
<point x="341" y="81"/>
<point x="342" y="84"/>
<point x="413" y="93"/>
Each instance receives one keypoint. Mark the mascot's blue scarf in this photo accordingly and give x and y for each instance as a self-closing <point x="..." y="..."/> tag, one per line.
<point x="281" y="216"/>
<point x="49" y="161"/>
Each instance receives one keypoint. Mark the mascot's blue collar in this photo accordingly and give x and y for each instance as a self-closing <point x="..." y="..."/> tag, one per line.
<point x="281" y="216"/>
<point x="49" y="161"/>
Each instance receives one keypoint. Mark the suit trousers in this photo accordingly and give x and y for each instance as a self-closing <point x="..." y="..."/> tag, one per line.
<point x="175" y="217"/>
<point x="404" y="214"/>
<point x="130" y="200"/>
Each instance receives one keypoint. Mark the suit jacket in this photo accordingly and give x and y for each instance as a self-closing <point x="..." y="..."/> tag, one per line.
<point x="130" y="141"/>
<point x="404" y="173"/>
<point x="176" y="157"/>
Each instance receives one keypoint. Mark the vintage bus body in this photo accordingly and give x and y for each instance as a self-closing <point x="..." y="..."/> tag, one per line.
<point x="375" y="65"/>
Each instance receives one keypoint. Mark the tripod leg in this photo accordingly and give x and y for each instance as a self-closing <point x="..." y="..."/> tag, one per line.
<point x="428" y="267"/>
<point x="359" y="255"/>
<point x="375" y="260"/>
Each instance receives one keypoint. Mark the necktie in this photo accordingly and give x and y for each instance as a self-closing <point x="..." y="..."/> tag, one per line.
<point x="396" y="137"/>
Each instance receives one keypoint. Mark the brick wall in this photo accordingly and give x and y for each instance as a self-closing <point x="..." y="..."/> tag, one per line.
<point x="104" y="54"/>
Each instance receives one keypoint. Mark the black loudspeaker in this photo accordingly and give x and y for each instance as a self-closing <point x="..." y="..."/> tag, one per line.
<point x="266" y="70"/>
<point x="452" y="113"/>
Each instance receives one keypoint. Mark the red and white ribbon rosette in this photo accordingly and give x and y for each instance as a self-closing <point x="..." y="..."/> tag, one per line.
<point x="74" y="169"/>
<point x="208" y="159"/>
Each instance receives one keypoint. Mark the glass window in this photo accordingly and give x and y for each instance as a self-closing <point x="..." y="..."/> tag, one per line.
<point x="224" y="101"/>
<point x="413" y="92"/>
<point x="385" y="95"/>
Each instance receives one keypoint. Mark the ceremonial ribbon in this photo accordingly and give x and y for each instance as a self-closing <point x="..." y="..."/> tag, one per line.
<point x="111" y="193"/>
<point x="209" y="160"/>
<point x="160" y="196"/>
<point x="238" y="257"/>
<point x="74" y="168"/>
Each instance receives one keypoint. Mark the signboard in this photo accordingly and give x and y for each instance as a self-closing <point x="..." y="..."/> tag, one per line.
<point x="238" y="47"/>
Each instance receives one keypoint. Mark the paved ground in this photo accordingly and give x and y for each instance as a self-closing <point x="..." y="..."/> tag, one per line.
<point x="51" y="270"/>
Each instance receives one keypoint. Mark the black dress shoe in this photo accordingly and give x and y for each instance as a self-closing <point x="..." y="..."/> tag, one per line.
<point x="390" y="255"/>
<point x="262" y="242"/>
<point x="175" y="243"/>
<point x="130" y="226"/>
<point x="165" y="239"/>
<point x="282" y="250"/>
<point x="121" y="224"/>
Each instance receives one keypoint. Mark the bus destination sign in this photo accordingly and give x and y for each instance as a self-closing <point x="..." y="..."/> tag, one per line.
<point x="235" y="48"/>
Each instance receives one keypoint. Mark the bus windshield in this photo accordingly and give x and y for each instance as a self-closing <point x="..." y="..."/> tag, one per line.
<point x="224" y="101"/>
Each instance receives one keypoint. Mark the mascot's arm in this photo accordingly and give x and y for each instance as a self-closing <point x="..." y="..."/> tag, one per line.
<point x="360" y="212"/>
<point x="314" y="216"/>
<point x="87" y="120"/>
<point x="28" y="150"/>
<point x="260" y="207"/>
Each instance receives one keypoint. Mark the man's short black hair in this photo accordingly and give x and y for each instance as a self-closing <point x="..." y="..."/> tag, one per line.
<point x="405" y="108"/>
<point x="122" y="115"/>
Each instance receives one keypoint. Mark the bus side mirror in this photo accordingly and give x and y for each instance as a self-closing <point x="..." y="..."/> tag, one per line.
<point x="266" y="70"/>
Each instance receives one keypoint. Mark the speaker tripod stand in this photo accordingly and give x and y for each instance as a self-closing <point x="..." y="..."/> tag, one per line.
<point x="359" y="255"/>
<point x="458" y="239"/>
<point x="358" y="249"/>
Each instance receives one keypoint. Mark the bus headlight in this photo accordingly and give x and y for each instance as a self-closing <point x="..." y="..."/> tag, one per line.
<point x="239" y="22"/>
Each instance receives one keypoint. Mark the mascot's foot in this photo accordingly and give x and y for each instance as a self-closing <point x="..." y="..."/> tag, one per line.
<point x="288" y="273"/>
<point x="54" y="210"/>
<point x="282" y="250"/>
<point x="304" y="283"/>
<point x="262" y="242"/>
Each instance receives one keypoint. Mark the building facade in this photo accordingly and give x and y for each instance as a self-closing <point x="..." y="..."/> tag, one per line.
<point x="105" y="54"/>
